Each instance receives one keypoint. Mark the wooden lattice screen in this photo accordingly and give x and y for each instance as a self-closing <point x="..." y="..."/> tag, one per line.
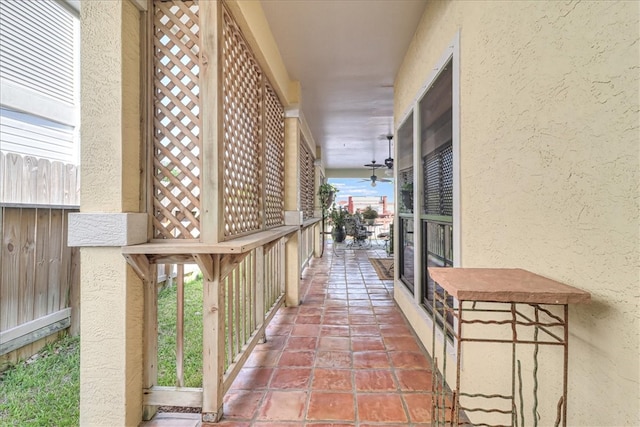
<point x="437" y="169"/>
<point x="274" y="159"/>
<point x="176" y="143"/>
<point x="307" y="180"/>
<point x="405" y="177"/>
<point x="242" y="150"/>
<point x="252" y="145"/>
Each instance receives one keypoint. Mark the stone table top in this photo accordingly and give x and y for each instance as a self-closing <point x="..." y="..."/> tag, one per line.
<point x="505" y="285"/>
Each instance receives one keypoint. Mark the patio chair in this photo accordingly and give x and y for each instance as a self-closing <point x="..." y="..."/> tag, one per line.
<point x="357" y="231"/>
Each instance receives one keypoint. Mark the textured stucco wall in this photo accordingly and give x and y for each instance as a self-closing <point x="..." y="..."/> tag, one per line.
<point x="111" y="295"/>
<point x="549" y="160"/>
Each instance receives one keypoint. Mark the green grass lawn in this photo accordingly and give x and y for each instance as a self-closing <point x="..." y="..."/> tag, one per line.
<point x="167" y="308"/>
<point x="45" y="389"/>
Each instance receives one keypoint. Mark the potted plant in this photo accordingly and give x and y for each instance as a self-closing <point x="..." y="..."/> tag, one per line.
<point x="327" y="193"/>
<point x="370" y="215"/>
<point x="337" y="216"/>
<point x="407" y="195"/>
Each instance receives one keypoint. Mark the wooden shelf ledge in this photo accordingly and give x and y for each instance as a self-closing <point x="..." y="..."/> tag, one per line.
<point x="143" y="256"/>
<point x="311" y="221"/>
<point x="235" y="246"/>
<point x="505" y="285"/>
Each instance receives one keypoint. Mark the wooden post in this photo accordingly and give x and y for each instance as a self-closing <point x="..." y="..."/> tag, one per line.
<point x="259" y="287"/>
<point x="179" y="324"/>
<point x="150" y="370"/>
<point x="292" y="294"/>
<point x="213" y="318"/>
<point x="211" y="224"/>
<point x="290" y="270"/>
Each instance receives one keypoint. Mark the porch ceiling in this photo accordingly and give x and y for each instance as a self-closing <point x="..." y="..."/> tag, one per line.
<point x="345" y="55"/>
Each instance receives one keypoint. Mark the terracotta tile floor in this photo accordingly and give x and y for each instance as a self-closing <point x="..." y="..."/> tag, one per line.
<point x="344" y="357"/>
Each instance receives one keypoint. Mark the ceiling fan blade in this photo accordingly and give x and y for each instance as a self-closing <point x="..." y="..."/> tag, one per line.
<point x="384" y="180"/>
<point x="374" y="165"/>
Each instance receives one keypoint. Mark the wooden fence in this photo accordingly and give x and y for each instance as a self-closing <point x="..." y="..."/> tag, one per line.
<point x="39" y="274"/>
<point x="30" y="180"/>
<point x="39" y="279"/>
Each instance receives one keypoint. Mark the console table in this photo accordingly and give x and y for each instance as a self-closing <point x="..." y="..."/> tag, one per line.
<point x="501" y="308"/>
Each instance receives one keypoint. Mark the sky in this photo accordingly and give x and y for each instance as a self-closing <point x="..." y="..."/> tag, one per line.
<point x="356" y="187"/>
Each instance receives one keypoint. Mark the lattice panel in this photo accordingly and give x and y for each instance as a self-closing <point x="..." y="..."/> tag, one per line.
<point x="438" y="179"/>
<point x="274" y="159"/>
<point x="431" y="171"/>
<point x="242" y="150"/>
<point x="176" y="145"/>
<point x="405" y="177"/>
<point x="446" y="195"/>
<point x="307" y="181"/>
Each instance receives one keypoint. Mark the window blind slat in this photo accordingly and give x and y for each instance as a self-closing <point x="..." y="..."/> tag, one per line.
<point x="37" y="47"/>
<point x="40" y="138"/>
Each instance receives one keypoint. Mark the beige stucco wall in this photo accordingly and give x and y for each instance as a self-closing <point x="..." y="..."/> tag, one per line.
<point x="549" y="140"/>
<point x="111" y="296"/>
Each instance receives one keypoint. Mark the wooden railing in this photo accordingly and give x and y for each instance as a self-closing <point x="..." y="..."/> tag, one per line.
<point x="243" y="287"/>
<point x="253" y="291"/>
<point x="308" y="235"/>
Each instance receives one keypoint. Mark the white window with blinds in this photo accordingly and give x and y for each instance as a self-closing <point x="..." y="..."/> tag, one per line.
<point x="39" y="91"/>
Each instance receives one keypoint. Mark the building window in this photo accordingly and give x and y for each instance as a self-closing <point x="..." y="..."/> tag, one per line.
<point x="436" y="219"/>
<point x="404" y="162"/>
<point x="39" y="108"/>
<point x="437" y="223"/>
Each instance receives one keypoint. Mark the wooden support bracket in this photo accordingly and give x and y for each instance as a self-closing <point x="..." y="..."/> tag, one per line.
<point x="205" y="262"/>
<point x="229" y="262"/>
<point x="140" y="264"/>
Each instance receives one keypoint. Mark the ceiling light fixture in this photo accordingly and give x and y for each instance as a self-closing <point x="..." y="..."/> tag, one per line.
<point x="373" y="178"/>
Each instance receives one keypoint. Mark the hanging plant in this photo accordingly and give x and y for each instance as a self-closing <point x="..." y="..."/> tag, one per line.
<point x="327" y="193"/>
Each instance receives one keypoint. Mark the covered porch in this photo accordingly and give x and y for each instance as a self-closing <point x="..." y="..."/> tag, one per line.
<point x="214" y="153"/>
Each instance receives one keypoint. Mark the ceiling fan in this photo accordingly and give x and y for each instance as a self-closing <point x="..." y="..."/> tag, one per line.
<point x="388" y="162"/>
<point x="373" y="178"/>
